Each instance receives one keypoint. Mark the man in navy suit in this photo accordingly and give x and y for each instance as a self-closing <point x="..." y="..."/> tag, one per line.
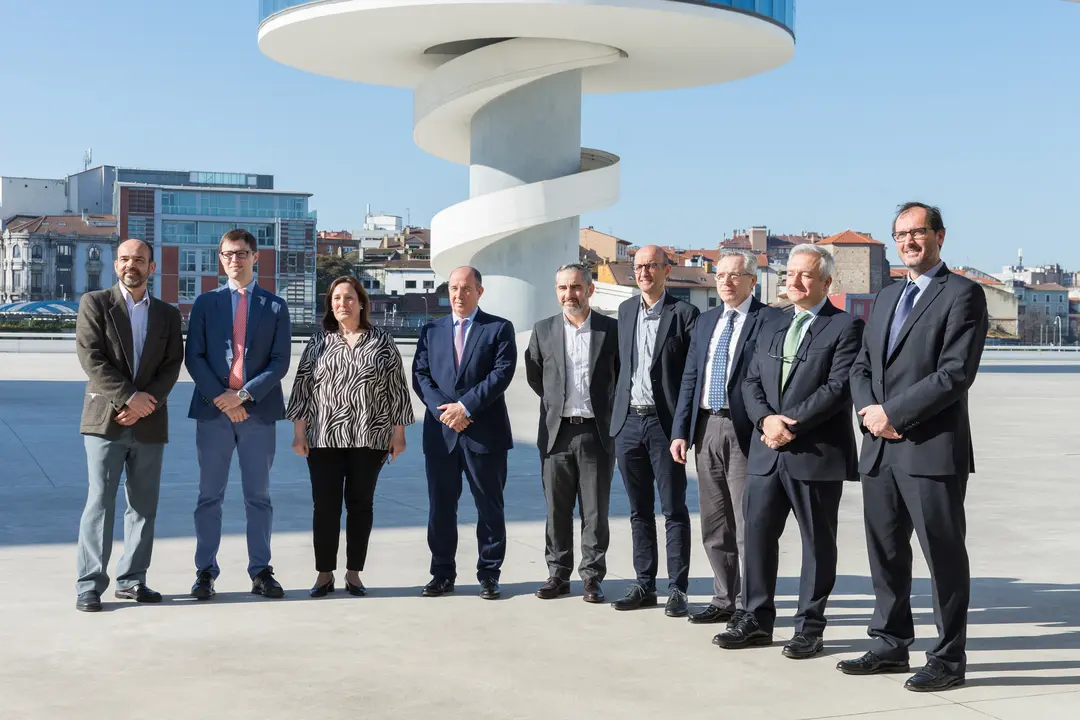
<point x="711" y="418"/>
<point x="238" y="349"/>
<point x="463" y="364"/>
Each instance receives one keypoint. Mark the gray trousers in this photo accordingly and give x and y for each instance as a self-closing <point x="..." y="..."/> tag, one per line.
<point x="721" y="471"/>
<point x="106" y="460"/>
<point x="577" y="471"/>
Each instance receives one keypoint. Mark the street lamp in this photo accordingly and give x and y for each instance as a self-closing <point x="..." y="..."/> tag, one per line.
<point x="1057" y="324"/>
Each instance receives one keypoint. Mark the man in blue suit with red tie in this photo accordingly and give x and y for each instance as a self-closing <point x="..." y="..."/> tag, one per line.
<point x="238" y="349"/>
<point x="463" y="364"/>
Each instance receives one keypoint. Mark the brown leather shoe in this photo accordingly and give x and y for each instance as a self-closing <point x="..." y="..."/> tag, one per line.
<point x="553" y="588"/>
<point x="593" y="592"/>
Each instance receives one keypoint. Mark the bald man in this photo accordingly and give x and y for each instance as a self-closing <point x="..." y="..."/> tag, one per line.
<point x="463" y="364"/>
<point x="130" y="346"/>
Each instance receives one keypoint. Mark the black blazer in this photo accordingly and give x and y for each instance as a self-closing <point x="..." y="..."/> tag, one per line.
<point x="923" y="385"/>
<point x="694" y="372"/>
<point x="545" y="368"/>
<point x="488" y="362"/>
<point x="672" y="343"/>
<point x="818" y="396"/>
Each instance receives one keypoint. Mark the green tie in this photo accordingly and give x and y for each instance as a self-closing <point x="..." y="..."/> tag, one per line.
<point x="791" y="344"/>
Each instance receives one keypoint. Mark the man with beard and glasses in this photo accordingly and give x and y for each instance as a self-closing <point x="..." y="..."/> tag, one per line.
<point x="572" y="363"/>
<point x="130" y="346"/>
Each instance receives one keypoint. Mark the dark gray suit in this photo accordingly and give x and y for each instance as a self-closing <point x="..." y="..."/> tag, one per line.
<point x="805" y="476"/>
<point x="643" y="438"/>
<point x="918" y="483"/>
<point x="105" y="347"/>
<point x="576" y="455"/>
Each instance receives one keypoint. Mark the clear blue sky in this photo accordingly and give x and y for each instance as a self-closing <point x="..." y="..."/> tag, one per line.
<point x="970" y="104"/>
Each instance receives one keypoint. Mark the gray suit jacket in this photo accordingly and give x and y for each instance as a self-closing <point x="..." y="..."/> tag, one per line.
<point x="106" y="352"/>
<point x="545" y="368"/>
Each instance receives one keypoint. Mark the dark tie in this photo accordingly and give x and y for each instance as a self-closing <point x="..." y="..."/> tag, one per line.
<point x="907" y="301"/>
<point x="718" y="381"/>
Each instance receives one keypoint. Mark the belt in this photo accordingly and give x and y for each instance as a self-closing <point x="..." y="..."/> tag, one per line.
<point x="576" y="419"/>
<point x="643" y="409"/>
<point x="721" y="412"/>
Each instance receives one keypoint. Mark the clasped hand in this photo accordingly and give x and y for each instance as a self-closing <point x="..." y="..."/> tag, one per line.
<point x="229" y="402"/>
<point x="454" y="417"/>
<point x="775" y="431"/>
<point x="139" y="406"/>
<point x="877" y="422"/>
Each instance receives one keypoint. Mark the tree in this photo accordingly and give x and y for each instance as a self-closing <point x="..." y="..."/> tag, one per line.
<point x="329" y="268"/>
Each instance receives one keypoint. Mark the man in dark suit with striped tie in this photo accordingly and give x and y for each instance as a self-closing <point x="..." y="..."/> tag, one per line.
<point x="712" y="419"/>
<point x="919" y="356"/>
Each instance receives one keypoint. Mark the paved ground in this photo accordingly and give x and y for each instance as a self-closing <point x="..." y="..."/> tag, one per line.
<point x="395" y="654"/>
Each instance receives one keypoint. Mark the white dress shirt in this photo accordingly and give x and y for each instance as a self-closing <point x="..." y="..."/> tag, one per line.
<point x="139" y="313"/>
<point x="578" y="343"/>
<point x="740" y="320"/>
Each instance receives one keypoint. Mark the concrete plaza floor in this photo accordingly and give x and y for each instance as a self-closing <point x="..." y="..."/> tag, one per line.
<point x="395" y="654"/>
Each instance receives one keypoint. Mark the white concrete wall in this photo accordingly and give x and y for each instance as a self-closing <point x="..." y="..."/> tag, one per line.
<point x="607" y="297"/>
<point x="394" y="280"/>
<point x="31" y="196"/>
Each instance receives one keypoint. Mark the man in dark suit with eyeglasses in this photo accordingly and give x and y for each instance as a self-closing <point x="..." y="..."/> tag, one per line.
<point x="797" y="395"/>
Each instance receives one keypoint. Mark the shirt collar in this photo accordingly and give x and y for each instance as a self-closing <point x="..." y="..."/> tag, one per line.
<point x="657" y="306"/>
<point x="131" y="301"/>
<point x="585" y="326"/>
<point x="743" y="308"/>
<point x="470" y="318"/>
<point x="923" y="281"/>
<point x="234" y="286"/>
<point x="816" y="310"/>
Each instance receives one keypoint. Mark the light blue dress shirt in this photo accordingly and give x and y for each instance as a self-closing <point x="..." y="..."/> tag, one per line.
<point x="139" y="313"/>
<point x="234" y="293"/>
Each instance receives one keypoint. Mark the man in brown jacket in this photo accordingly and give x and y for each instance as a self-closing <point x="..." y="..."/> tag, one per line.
<point x="130" y="346"/>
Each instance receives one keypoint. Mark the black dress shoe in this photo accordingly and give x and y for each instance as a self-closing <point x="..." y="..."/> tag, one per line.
<point x="803" y="646"/>
<point x="438" y="586"/>
<point x="593" y="592"/>
<point x="933" y="677"/>
<point x="203" y="589"/>
<point x="322" y="590"/>
<point x="636" y="597"/>
<point x="746" y="633"/>
<point x="871" y="664"/>
<point x="676" y="605"/>
<point x="489" y="589"/>
<point x="139" y="593"/>
<point x="88" y="601"/>
<point x="553" y="588"/>
<point x="711" y="614"/>
<point x="264" y="584"/>
<point x="357" y="590"/>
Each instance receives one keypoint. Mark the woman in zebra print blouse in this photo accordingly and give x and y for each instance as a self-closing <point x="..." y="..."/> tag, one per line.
<point x="349" y="406"/>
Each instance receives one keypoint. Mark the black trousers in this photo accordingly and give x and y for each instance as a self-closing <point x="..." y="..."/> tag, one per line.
<point x="642" y="449"/>
<point x="336" y="474"/>
<point x="578" y="470"/>
<point x="769" y="500"/>
<point x="895" y="504"/>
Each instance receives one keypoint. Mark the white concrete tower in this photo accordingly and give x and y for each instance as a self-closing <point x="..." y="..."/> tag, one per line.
<point x="497" y="86"/>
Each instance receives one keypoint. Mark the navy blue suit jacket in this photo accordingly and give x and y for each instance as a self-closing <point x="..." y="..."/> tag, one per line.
<point x="686" y="414"/>
<point x="488" y="362"/>
<point x="267" y="352"/>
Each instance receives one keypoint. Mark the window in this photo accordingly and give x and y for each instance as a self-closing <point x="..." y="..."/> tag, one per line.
<point x="222" y="281"/>
<point x="178" y="203"/>
<point x="16" y="252"/>
<point x="187" y="288"/>
<point x="36" y="252"/>
<point x="141" y="201"/>
<point x="178" y="232"/>
<point x="410" y="284"/>
<point x="258" y="206"/>
<point x="429" y="284"/>
<point x="217" y="204"/>
<point x="35" y="281"/>
<point x="65" y="251"/>
<point x="290" y="262"/>
<point x="712" y="302"/>
<point x="94" y="253"/>
<point x="188" y="260"/>
<point x="209" y="261"/>
<point x="137" y="226"/>
<point x="93" y="281"/>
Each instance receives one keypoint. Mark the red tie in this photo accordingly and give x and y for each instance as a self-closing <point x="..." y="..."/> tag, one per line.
<point x="239" y="334"/>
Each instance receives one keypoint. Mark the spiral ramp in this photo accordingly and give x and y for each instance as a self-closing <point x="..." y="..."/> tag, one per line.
<point x="517" y="229"/>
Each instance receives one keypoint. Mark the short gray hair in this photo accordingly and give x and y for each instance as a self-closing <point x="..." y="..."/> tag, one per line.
<point x="581" y="268"/>
<point x="826" y="262"/>
<point x="749" y="259"/>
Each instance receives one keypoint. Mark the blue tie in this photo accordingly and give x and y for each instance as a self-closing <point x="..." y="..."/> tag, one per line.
<point x="718" y="384"/>
<point x="907" y="301"/>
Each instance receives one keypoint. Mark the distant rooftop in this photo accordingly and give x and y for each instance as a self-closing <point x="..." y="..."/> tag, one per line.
<point x="98" y="225"/>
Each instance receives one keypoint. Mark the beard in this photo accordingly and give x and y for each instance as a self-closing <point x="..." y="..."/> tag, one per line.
<point x="133" y="279"/>
<point x="573" y="307"/>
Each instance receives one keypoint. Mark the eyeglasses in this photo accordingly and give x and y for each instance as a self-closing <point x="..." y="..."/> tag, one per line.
<point x="239" y="255"/>
<point x="916" y="233"/>
<point x="651" y="267"/>
<point x="724" y="277"/>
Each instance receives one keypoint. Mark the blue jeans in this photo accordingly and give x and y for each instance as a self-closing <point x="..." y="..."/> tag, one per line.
<point x="106" y="460"/>
<point x="254" y="441"/>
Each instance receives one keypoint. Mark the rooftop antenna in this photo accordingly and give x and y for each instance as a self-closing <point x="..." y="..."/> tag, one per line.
<point x="88" y="157"/>
<point x="1020" y="260"/>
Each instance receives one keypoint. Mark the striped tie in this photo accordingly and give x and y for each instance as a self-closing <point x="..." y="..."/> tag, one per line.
<point x="239" y="335"/>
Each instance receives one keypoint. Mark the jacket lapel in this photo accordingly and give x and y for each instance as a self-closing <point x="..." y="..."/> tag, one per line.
<point x="667" y="312"/>
<point x="879" y="326"/>
<point x="747" y="330"/>
<point x="155" y="318"/>
<point x="706" y="325"/>
<point x="932" y="291"/>
<point x="596" y="344"/>
<point x="122" y="322"/>
<point x="474" y="330"/>
<point x="255" y="308"/>
<point x="824" y="317"/>
<point x="558" y="341"/>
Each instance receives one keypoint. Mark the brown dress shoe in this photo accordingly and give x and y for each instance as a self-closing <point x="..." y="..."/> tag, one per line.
<point x="553" y="588"/>
<point x="593" y="592"/>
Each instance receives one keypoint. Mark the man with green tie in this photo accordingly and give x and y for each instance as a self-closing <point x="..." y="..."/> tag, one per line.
<point x="797" y="394"/>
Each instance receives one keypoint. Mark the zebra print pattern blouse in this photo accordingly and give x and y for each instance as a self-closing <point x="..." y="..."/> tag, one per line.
<point x="351" y="397"/>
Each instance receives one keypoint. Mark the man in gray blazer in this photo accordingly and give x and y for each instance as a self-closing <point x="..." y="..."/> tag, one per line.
<point x="130" y="346"/>
<point x="572" y="363"/>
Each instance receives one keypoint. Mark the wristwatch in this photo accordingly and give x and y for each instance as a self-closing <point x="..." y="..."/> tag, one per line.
<point x="244" y="395"/>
